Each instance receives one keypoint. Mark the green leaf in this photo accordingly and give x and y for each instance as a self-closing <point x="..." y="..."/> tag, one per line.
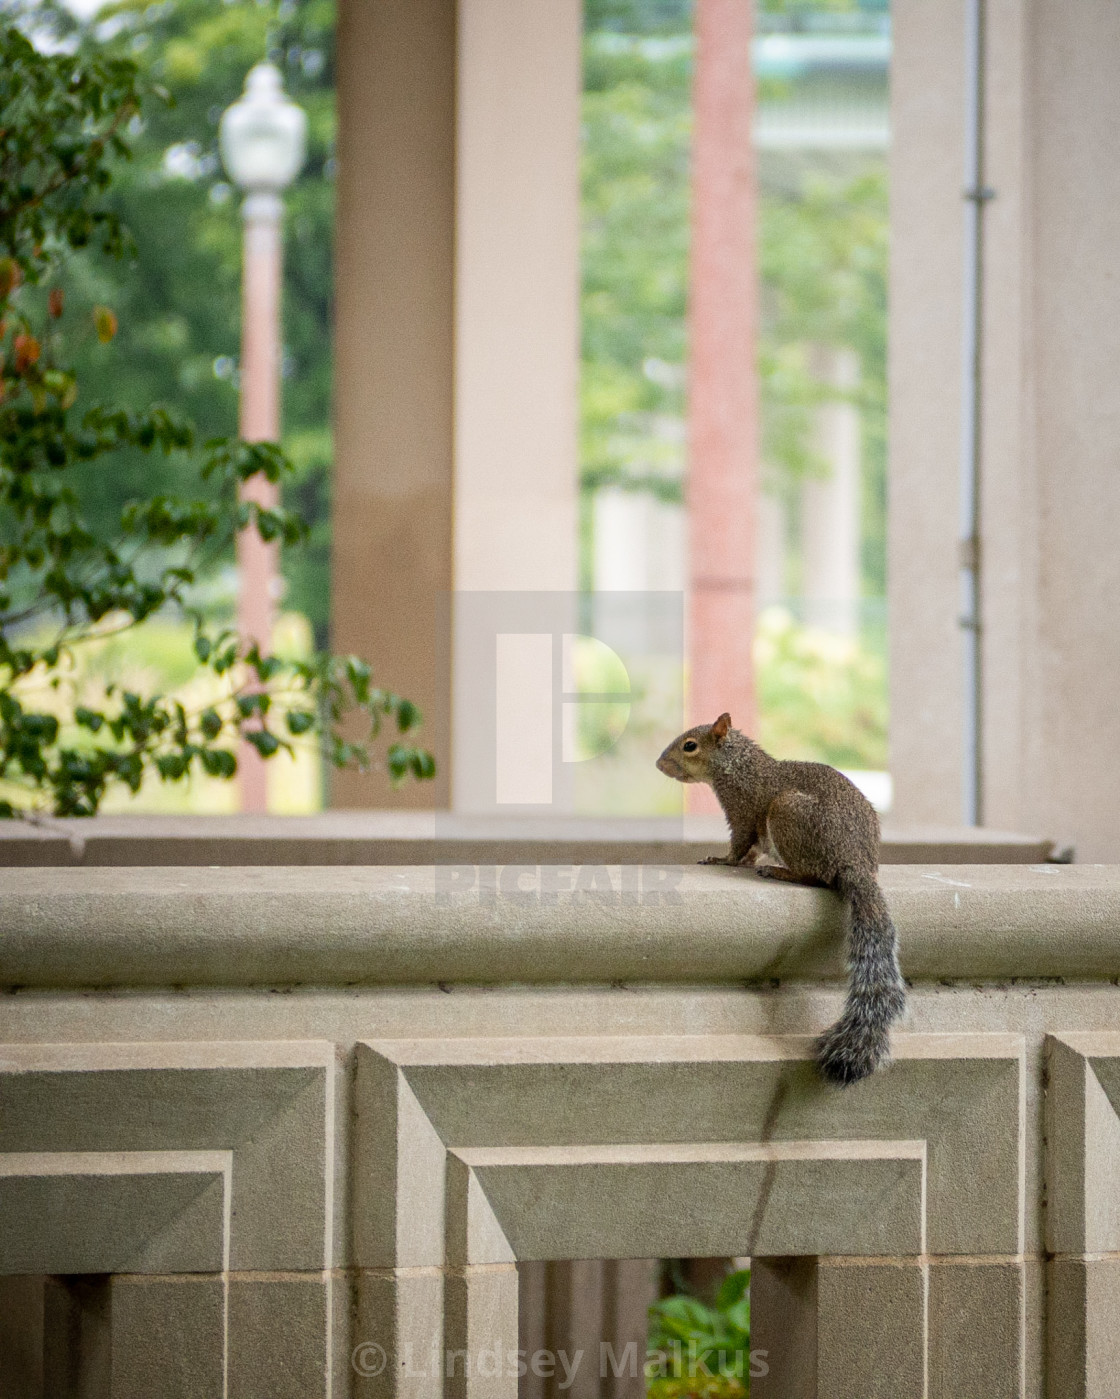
<point x="217" y="762"/>
<point x="264" y="742"/>
<point x="256" y="702"/>
<point x="172" y="766"/>
<point x="733" y="1288"/>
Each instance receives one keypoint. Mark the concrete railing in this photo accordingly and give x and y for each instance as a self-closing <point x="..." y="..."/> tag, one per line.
<point x="292" y="1132"/>
<point x="427" y="837"/>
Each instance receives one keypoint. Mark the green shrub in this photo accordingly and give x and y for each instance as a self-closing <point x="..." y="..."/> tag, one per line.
<point x="701" y="1352"/>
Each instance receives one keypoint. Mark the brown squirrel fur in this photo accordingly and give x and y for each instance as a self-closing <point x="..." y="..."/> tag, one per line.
<point x="824" y="831"/>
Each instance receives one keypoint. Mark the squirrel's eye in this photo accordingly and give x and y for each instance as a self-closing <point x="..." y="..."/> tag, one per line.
<point x="691" y="746"/>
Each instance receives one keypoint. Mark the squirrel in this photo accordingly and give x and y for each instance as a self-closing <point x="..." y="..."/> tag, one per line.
<point x="823" y="831"/>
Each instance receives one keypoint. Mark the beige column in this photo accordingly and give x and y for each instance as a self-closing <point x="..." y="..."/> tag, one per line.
<point x="926" y="174"/>
<point x="516" y="334"/>
<point x="830" y="508"/>
<point x="517" y="294"/>
<point x="597" y="1306"/>
<point x="394" y="287"/>
<point x="457" y="337"/>
<point x="770" y="550"/>
<point x="1050" y="502"/>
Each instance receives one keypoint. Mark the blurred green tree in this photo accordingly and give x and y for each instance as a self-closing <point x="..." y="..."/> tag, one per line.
<point x="66" y="579"/>
<point x="823" y="269"/>
<point x="177" y="297"/>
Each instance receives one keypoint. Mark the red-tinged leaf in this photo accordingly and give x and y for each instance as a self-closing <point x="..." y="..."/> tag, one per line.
<point x="10" y="276"/>
<point x="105" y="323"/>
<point x="27" y="350"/>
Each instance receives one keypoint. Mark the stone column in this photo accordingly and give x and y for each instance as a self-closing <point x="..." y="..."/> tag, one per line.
<point x="926" y="174"/>
<point x="599" y="1306"/>
<point x="519" y="76"/>
<point x="1050" y="490"/>
<point x="829" y="1328"/>
<point x="517" y="294"/>
<point x="22" y="1308"/>
<point x="258" y="561"/>
<point x="394" y="335"/>
<point x="457" y="354"/>
<point x="722" y="391"/>
<point x="830" y="508"/>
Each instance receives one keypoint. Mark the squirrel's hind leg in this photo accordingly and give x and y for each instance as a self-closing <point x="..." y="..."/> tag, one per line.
<point x="780" y="872"/>
<point x="796" y="832"/>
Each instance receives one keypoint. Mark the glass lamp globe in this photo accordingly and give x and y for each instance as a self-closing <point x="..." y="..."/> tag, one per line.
<point x="263" y="136"/>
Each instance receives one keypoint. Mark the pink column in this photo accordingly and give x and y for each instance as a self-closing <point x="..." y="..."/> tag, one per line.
<point x="257" y="562"/>
<point x="723" y="390"/>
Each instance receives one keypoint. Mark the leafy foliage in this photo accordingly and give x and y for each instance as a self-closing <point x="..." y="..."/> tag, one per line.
<point x="699" y="1352"/>
<point x="637" y="129"/>
<point x="179" y="345"/>
<point x="63" y="581"/>
<point x="823" y="264"/>
<point x="822" y="697"/>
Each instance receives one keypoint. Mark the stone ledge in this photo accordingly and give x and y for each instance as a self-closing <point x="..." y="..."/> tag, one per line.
<point x="422" y="838"/>
<point x="528" y="924"/>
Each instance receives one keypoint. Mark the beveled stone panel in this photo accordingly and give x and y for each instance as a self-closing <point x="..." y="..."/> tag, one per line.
<point x="676" y="1201"/>
<point x="960" y="1094"/>
<point x="268" y="1105"/>
<point x="114" y="1212"/>
<point x="1083" y="1215"/>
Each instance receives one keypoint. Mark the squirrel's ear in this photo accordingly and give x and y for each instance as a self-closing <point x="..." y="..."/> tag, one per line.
<point x="721" y="725"/>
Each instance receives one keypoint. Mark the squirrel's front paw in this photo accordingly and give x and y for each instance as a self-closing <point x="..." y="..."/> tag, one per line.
<point x="713" y="860"/>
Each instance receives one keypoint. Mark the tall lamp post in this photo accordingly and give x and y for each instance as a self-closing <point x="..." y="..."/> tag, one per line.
<point x="263" y="139"/>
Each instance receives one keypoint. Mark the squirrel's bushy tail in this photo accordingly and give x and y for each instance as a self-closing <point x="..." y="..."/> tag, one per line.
<point x="859" y="1041"/>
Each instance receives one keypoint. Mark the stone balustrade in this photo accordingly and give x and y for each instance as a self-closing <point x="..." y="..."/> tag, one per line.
<point x="428" y="837"/>
<point x="272" y="1132"/>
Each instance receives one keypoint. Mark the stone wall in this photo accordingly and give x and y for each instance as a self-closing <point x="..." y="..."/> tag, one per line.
<point x="290" y="1132"/>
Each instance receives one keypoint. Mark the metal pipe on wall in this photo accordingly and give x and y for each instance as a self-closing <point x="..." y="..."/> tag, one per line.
<point x="976" y="196"/>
